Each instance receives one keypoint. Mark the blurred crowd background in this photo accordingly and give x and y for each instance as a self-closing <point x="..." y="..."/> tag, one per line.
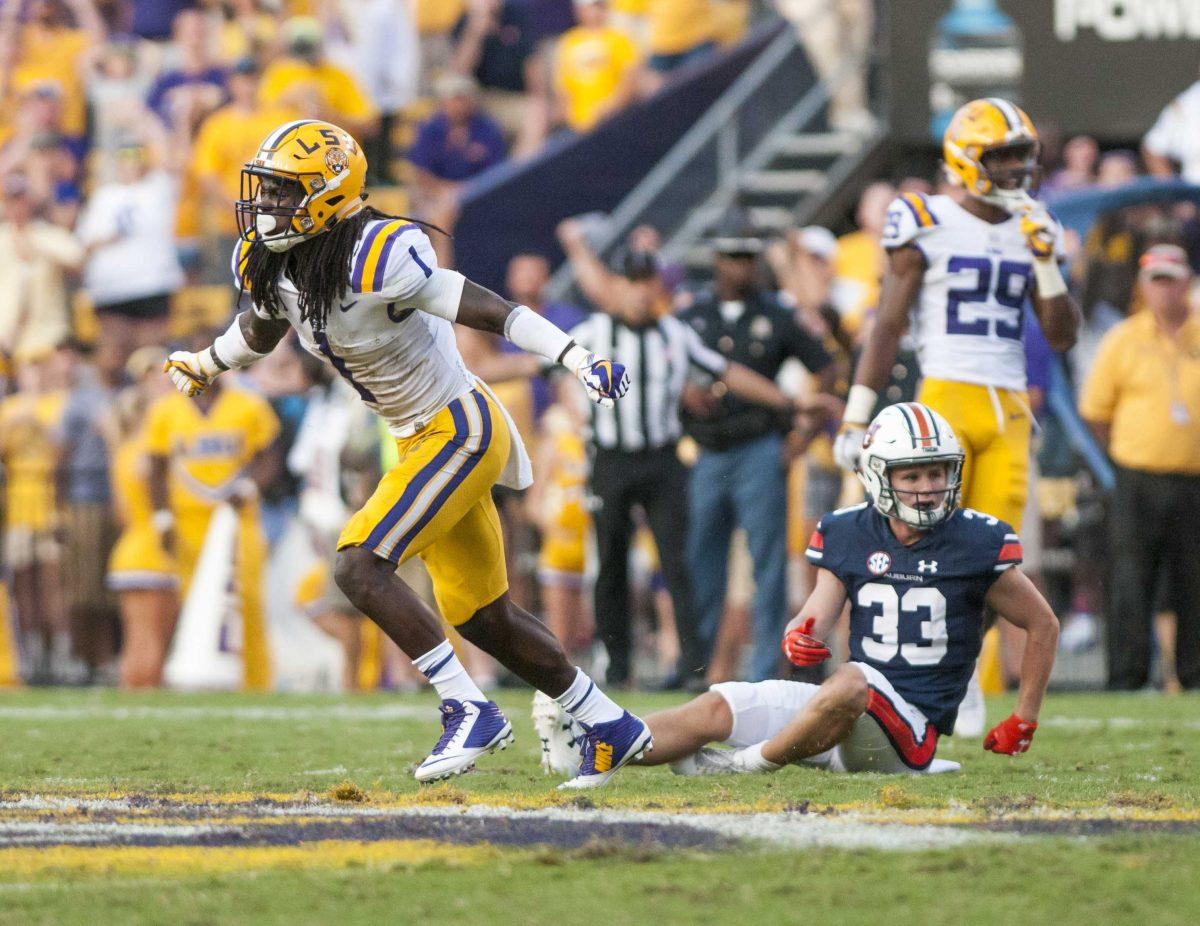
<point x="123" y="127"/>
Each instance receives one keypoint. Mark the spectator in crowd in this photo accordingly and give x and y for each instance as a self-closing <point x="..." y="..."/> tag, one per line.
<point x="435" y="21"/>
<point x="740" y="476"/>
<point x="680" y="32"/>
<point x="132" y="267"/>
<point x="35" y="257"/>
<point x="30" y="443"/>
<point x="193" y="85"/>
<point x="497" y="42"/>
<point x="377" y="41"/>
<point x="155" y="19"/>
<point x="1080" y="157"/>
<point x="634" y="459"/>
<point x="52" y="50"/>
<point x="1142" y="401"/>
<point x="456" y="143"/>
<point x="596" y="69"/>
<point x="1172" y="144"/>
<point x="117" y="91"/>
<point x="837" y="37"/>
<point x="860" y="259"/>
<point x="558" y="506"/>
<point x="88" y="531"/>
<point x="306" y="81"/>
<point x="205" y="451"/>
<point x="1116" y="169"/>
<point x="245" y="28"/>
<point x="140" y="571"/>
<point x="38" y="149"/>
<point x="228" y="138"/>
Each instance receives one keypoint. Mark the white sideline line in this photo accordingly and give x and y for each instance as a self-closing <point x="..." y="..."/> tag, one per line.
<point x="778" y="829"/>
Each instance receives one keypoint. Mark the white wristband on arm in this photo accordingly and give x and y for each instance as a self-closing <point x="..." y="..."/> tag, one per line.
<point x="859" y="404"/>
<point x="1050" y="282"/>
<point x="533" y="334"/>
<point x="230" y="351"/>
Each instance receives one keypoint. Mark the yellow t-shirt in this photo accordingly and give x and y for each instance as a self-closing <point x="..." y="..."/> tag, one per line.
<point x="227" y="140"/>
<point x="335" y="88"/>
<point x="1147" y="387"/>
<point x="208" y="451"/>
<point x="677" y="26"/>
<point x="29" y="451"/>
<point x="858" y="264"/>
<point x="591" y="66"/>
<point x="438" y="17"/>
<point x="52" y="56"/>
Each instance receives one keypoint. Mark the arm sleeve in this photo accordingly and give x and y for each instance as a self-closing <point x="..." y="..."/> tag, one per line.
<point x="701" y="355"/>
<point x="908" y="219"/>
<point x="1099" y="398"/>
<point x="815" y="553"/>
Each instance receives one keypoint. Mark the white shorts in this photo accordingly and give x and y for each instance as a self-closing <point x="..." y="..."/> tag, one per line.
<point x="892" y="736"/>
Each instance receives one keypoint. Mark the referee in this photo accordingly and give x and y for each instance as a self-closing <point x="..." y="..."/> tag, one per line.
<point x="633" y="444"/>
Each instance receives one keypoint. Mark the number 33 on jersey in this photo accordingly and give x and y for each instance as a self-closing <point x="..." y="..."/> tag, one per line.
<point x="978" y="278"/>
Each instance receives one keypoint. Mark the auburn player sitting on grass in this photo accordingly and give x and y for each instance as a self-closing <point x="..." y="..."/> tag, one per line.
<point x="918" y="571"/>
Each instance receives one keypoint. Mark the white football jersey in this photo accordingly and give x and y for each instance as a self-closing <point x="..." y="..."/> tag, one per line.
<point x="968" y="322"/>
<point x="403" y="362"/>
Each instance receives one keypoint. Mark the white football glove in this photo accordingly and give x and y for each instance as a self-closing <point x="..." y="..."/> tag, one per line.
<point x="604" y="380"/>
<point x="191" y="373"/>
<point x="848" y="445"/>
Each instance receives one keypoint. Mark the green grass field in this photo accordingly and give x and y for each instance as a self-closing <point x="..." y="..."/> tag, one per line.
<point x="1098" y="824"/>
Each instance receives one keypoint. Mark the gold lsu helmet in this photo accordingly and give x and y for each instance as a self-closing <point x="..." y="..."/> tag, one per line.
<point x="307" y="176"/>
<point x="982" y="127"/>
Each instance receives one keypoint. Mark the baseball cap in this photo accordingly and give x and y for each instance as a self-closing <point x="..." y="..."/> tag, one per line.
<point x="736" y="236"/>
<point x="1165" y="260"/>
<point x="818" y="241"/>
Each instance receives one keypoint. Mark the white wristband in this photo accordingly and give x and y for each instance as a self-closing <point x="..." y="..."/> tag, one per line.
<point x="230" y="350"/>
<point x="1050" y="282"/>
<point x="163" y="520"/>
<point x="532" y="333"/>
<point x="859" y="404"/>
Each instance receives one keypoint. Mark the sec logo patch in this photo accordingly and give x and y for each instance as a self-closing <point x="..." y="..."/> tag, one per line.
<point x="878" y="563"/>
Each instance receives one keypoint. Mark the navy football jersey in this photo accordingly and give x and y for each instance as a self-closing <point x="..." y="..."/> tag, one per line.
<point x="916" y="613"/>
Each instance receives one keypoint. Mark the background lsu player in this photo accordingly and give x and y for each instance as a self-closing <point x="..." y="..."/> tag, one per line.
<point x="918" y="572"/>
<point x="364" y="291"/>
<point x="966" y="265"/>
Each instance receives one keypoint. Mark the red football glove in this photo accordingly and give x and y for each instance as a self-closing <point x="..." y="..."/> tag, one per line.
<point x="802" y="649"/>
<point x="1011" y="736"/>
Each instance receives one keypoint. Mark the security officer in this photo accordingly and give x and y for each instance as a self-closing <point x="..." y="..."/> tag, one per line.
<point x="740" y="478"/>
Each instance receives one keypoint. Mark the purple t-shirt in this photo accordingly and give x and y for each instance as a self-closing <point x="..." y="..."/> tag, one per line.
<point x="158" y="99"/>
<point x="566" y="317"/>
<point x="437" y="153"/>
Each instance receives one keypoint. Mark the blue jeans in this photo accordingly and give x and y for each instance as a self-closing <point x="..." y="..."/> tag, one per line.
<point x="744" y="486"/>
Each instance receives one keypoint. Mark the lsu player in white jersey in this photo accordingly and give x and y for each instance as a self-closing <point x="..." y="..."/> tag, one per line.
<point x="363" y="291"/>
<point x="963" y="267"/>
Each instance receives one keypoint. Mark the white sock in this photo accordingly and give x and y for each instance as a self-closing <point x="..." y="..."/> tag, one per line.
<point x="447" y="675"/>
<point x="751" y="758"/>
<point x="587" y="703"/>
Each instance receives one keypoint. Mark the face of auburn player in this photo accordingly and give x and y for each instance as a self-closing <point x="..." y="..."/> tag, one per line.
<point x="922" y="486"/>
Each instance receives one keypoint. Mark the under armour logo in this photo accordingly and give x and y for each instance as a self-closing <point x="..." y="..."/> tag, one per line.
<point x="930" y="566"/>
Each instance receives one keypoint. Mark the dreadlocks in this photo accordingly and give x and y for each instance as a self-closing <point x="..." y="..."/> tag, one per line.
<point x="319" y="269"/>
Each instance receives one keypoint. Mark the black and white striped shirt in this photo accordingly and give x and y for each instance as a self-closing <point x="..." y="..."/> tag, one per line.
<point x="658" y="357"/>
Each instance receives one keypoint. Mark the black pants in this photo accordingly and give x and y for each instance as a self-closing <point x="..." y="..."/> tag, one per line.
<point x="1154" y="525"/>
<point x="657" y="481"/>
